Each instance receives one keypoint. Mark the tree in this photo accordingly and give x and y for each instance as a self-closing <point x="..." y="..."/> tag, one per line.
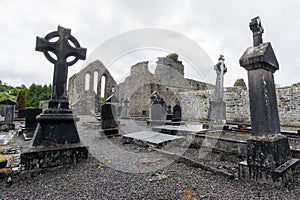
<point x="296" y="84"/>
<point x="21" y="100"/>
<point x="174" y="57"/>
<point x="37" y="93"/>
<point x="240" y="83"/>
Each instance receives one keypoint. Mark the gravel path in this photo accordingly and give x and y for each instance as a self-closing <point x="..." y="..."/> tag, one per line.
<point x="113" y="171"/>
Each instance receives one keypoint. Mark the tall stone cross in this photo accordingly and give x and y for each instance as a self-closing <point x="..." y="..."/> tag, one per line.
<point x="260" y="62"/>
<point x="220" y="69"/>
<point x="66" y="46"/>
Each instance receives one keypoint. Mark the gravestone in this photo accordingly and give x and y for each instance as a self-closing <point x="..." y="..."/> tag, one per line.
<point x="157" y="109"/>
<point x="169" y="113"/>
<point x="177" y="117"/>
<point x="125" y="110"/>
<point x="30" y="115"/>
<point x="269" y="159"/>
<point x="109" y="126"/>
<point x="56" y="140"/>
<point x="217" y="109"/>
<point x="7" y="111"/>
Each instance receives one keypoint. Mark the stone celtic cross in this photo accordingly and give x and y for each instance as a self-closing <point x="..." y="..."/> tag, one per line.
<point x="66" y="46"/>
<point x="220" y="69"/>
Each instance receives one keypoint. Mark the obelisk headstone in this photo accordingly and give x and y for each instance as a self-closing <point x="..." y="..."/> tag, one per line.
<point x="269" y="159"/>
<point x="217" y="109"/>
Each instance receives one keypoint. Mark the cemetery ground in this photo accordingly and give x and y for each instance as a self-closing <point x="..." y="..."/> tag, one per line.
<point x="117" y="169"/>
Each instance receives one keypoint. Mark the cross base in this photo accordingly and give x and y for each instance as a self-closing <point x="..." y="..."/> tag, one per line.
<point x="54" y="104"/>
<point x="269" y="160"/>
<point x="56" y="126"/>
<point x="36" y="158"/>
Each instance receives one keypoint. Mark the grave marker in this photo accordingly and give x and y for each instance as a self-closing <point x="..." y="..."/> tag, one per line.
<point x="7" y="111"/>
<point x="217" y="109"/>
<point x="56" y="140"/>
<point x="269" y="159"/>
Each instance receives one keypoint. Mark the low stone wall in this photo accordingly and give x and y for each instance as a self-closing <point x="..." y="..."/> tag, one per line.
<point x="195" y="105"/>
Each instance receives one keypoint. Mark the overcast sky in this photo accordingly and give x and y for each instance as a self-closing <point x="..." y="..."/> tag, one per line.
<point x="218" y="27"/>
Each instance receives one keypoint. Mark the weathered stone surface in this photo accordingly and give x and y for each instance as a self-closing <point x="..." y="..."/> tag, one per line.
<point x="85" y="99"/>
<point x="267" y="149"/>
<point x="30" y="116"/>
<point x="268" y="152"/>
<point x="33" y="158"/>
<point x="150" y="138"/>
<point x="109" y="116"/>
<point x="7" y="111"/>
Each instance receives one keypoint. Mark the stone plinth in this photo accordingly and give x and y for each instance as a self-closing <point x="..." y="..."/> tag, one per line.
<point x="56" y="126"/>
<point x="34" y="157"/>
<point x="269" y="160"/>
<point x="217" y="111"/>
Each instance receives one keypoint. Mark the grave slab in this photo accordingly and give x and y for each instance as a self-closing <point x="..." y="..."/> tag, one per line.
<point x="151" y="138"/>
<point x="180" y="130"/>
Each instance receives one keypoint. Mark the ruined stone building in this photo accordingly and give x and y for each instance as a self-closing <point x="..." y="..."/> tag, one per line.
<point x="84" y="88"/>
<point x="169" y="81"/>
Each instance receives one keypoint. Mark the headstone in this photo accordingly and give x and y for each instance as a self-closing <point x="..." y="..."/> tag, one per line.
<point x="109" y="126"/>
<point x="269" y="159"/>
<point x="56" y="140"/>
<point x="7" y="111"/>
<point x="157" y="109"/>
<point x="217" y="109"/>
<point x="125" y="110"/>
<point x="169" y="113"/>
<point x="30" y="115"/>
<point x="177" y="112"/>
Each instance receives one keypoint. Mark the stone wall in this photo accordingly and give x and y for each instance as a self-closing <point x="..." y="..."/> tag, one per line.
<point x="168" y="81"/>
<point x="83" y="97"/>
<point x="195" y="105"/>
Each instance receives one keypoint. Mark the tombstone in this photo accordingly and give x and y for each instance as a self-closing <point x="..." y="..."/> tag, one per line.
<point x="269" y="159"/>
<point x="169" y="113"/>
<point x="157" y="109"/>
<point x="109" y="126"/>
<point x="56" y="140"/>
<point x="177" y="112"/>
<point x="217" y="109"/>
<point x="30" y="115"/>
<point x="125" y="110"/>
<point x="7" y="109"/>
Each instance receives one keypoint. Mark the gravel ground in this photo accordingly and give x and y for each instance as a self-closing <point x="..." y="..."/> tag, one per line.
<point x="126" y="171"/>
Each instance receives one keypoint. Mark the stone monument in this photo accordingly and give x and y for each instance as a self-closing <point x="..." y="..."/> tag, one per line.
<point x="217" y="109"/>
<point x="30" y="115"/>
<point x="269" y="159"/>
<point x="7" y="109"/>
<point x="169" y="113"/>
<point x="177" y="116"/>
<point x="125" y="110"/>
<point x="56" y="140"/>
<point x="157" y="109"/>
<point x="109" y="125"/>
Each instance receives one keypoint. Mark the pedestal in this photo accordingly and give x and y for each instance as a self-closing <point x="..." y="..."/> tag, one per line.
<point x="56" y="126"/>
<point x="269" y="160"/>
<point x="217" y="114"/>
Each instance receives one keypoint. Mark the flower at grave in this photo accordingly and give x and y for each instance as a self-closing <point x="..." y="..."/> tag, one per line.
<point x="186" y="194"/>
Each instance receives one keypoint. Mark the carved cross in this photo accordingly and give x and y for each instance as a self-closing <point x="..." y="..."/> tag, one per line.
<point x="257" y="29"/>
<point x="66" y="46"/>
<point x="220" y="69"/>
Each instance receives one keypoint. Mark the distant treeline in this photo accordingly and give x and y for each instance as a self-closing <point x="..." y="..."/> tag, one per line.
<point x="23" y="96"/>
